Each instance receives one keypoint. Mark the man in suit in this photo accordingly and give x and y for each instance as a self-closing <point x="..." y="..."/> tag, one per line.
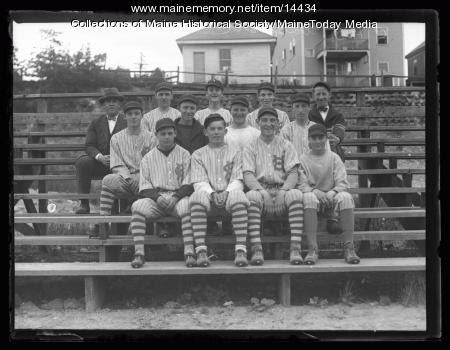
<point x="95" y="163"/>
<point x="324" y="113"/>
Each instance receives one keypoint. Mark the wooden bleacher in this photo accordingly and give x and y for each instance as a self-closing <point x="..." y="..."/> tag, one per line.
<point x="32" y="159"/>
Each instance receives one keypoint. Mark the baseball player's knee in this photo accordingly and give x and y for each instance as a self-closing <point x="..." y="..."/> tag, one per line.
<point x="201" y="198"/>
<point x="254" y="196"/>
<point x="182" y="207"/>
<point x="292" y="196"/>
<point x="111" y="181"/>
<point x="236" y="197"/>
<point x="344" y="200"/>
<point x="310" y="201"/>
<point x="144" y="206"/>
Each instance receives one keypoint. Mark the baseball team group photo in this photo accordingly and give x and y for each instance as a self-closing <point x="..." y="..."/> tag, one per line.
<point x="277" y="174"/>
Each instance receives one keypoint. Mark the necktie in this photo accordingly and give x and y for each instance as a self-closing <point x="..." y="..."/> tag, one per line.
<point x="112" y="118"/>
<point x="322" y="109"/>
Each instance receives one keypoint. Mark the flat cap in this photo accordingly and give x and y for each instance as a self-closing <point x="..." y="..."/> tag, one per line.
<point x="163" y="86"/>
<point x="322" y="84"/>
<point x="132" y="105"/>
<point x="214" y="82"/>
<point x="300" y="98"/>
<point x="188" y="98"/>
<point x="267" y="110"/>
<point x="164" y="123"/>
<point x="239" y="100"/>
<point x="317" y="129"/>
<point x="266" y="86"/>
<point x="111" y="93"/>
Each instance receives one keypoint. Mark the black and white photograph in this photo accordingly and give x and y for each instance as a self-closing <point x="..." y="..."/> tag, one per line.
<point x="203" y="173"/>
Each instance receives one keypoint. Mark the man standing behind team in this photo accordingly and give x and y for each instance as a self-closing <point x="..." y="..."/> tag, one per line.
<point x="164" y="96"/>
<point x="266" y="96"/>
<point x="239" y="133"/>
<point x="214" y="93"/>
<point x="165" y="188"/>
<point x="216" y="172"/>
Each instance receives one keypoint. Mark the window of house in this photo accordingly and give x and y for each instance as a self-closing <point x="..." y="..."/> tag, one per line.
<point x="366" y="59"/>
<point x="350" y="67"/>
<point x="382" y="36"/>
<point x="283" y="54"/>
<point x="309" y="53"/>
<point x="415" y="68"/>
<point x="383" y="68"/>
<point x="225" y="59"/>
<point x="293" y="47"/>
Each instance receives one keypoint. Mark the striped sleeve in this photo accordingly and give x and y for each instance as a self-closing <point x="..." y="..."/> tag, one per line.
<point x="290" y="157"/>
<point x="236" y="173"/>
<point x="339" y="174"/>
<point x="198" y="172"/>
<point x="116" y="161"/>
<point x="248" y="160"/>
<point x="187" y="169"/>
<point x="145" y="177"/>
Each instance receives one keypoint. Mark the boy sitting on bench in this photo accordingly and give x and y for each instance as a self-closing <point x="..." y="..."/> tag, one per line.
<point x="325" y="188"/>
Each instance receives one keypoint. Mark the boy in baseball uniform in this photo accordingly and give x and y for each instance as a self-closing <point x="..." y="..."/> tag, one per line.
<point x="216" y="172"/>
<point x="270" y="167"/>
<point x="127" y="149"/>
<point x="164" y="188"/>
<point x="164" y="96"/>
<point x="266" y="96"/>
<point x="214" y="93"/>
<point x="297" y="130"/>
<point x="324" y="188"/>
<point x="239" y="133"/>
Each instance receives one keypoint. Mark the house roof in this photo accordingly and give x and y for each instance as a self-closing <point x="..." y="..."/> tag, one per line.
<point x="226" y="34"/>
<point x="418" y="49"/>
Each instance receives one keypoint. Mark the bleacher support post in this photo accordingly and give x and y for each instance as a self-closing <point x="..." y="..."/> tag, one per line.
<point x="94" y="292"/>
<point x="284" y="290"/>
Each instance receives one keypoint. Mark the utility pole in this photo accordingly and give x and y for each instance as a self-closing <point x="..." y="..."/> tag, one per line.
<point x="141" y="64"/>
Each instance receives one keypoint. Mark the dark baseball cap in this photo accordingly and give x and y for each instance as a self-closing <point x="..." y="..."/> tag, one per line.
<point x="239" y="100"/>
<point x="132" y="105"/>
<point x="164" y="123"/>
<point x="163" y="86"/>
<point x="317" y="129"/>
<point x="267" y="110"/>
<point x="214" y="82"/>
<point x="266" y="86"/>
<point x="300" y="98"/>
<point x="188" y="98"/>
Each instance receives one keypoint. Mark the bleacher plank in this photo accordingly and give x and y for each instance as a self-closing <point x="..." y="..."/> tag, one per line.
<point x="120" y="240"/>
<point x="50" y="146"/>
<point x="164" y="268"/>
<point x="61" y="133"/>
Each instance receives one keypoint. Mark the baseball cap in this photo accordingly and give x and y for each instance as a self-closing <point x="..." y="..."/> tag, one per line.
<point x="131" y="105"/>
<point x="164" y="123"/>
<point x="188" y="98"/>
<point x="163" y="86"/>
<point x="300" y="98"/>
<point x="267" y="110"/>
<point x="241" y="100"/>
<point x="317" y="129"/>
<point x="214" y="82"/>
<point x="266" y="86"/>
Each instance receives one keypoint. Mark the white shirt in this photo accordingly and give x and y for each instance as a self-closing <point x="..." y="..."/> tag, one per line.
<point x="241" y="137"/>
<point x="324" y="114"/>
<point x="112" y="124"/>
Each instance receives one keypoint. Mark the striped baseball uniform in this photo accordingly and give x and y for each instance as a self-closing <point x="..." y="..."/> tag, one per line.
<point x="168" y="174"/>
<point x="271" y="164"/>
<point x="252" y="118"/>
<point x="217" y="170"/>
<point x="150" y="118"/>
<point x="241" y="137"/>
<point x="298" y="136"/>
<point x="326" y="172"/>
<point x="203" y="113"/>
<point x="126" y="152"/>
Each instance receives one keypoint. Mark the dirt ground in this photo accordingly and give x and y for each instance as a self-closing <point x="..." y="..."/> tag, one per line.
<point x="364" y="316"/>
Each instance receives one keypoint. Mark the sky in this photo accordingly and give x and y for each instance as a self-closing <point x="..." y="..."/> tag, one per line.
<point x="124" y="46"/>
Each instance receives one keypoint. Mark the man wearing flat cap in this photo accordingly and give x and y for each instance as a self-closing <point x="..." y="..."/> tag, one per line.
<point x="189" y="132"/>
<point x="266" y="96"/>
<point x="127" y="149"/>
<point x="239" y="133"/>
<point x="324" y="186"/>
<point x="214" y="93"/>
<point x="164" y="96"/>
<point x="297" y="131"/>
<point x="95" y="163"/>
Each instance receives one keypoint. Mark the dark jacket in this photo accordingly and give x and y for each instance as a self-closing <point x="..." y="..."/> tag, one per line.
<point x="98" y="135"/>
<point x="191" y="137"/>
<point x="333" y="117"/>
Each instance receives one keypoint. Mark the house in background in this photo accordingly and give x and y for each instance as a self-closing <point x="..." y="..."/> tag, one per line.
<point x="216" y="50"/>
<point x="416" y="66"/>
<point x="345" y="52"/>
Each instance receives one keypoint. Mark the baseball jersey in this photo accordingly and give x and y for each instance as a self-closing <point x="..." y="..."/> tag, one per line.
<point x="241" y="137"/>
<point x="149" y="119"/>
<point x="217" y="166"/>
<point x="165" y="172"/>
<point x="252" y="118"/>
<point x="127" y="150"/>
<point x="270" y="163"/>
<point x="203" y="113"/>
<point x="325" y="172"/>
<point x="298" y="136"/>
